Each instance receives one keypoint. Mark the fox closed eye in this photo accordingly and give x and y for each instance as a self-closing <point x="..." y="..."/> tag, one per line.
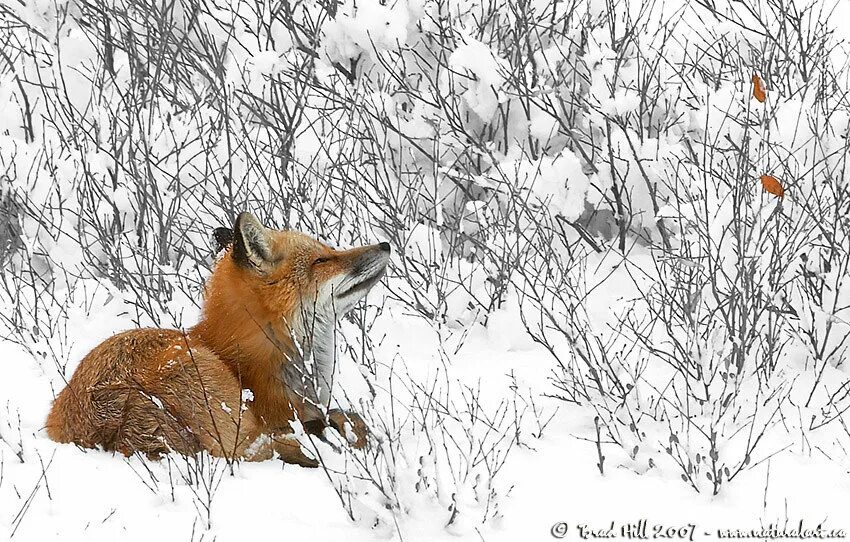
<point x="320" y="260"/>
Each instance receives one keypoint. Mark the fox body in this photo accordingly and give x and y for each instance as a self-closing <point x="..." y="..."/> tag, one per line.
<point x="269" y="316"/>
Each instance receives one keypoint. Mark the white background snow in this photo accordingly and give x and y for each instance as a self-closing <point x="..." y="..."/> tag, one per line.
<point x="454" y="158"/>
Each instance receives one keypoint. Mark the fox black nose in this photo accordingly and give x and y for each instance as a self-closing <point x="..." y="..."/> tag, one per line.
<point x="384" y="246"/>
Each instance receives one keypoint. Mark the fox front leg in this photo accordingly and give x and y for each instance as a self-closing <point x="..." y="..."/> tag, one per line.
<point x="348" y="424"/>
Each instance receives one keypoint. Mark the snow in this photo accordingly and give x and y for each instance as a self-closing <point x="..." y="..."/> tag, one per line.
<point x="558" y="182"/>
<point x="552" y="479"/>
<point x="503" y="352"/>
<point x="477" y="77"/>
<point x="365" y="27"/>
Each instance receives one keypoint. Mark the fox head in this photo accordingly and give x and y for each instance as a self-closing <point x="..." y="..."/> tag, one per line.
<point x="296" y="277"/>
<point x="273" y="301"/>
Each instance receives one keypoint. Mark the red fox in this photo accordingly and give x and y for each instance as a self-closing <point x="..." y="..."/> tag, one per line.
<point x="268" y="324"/>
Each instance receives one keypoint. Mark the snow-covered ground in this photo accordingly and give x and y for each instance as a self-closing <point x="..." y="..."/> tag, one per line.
<point x="619" y="286"/>
<point x="50" y="491"/>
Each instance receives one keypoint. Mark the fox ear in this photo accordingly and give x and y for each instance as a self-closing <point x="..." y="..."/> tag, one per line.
<point x="251" y="247"/>
<point x="222" y="238"/>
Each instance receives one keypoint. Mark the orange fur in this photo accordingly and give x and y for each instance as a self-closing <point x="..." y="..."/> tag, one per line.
<point x="154" y="391"/>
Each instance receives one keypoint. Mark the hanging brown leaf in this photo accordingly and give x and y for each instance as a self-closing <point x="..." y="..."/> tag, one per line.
<point x="772" y="185"/>
<point x="759" y="93"/>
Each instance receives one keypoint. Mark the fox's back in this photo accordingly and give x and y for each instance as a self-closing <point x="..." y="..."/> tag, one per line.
<point x="124" y="374"/>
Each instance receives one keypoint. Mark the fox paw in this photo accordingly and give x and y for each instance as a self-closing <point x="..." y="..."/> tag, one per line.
<point x="290" y="451"/>
<point x="350" y="425"/>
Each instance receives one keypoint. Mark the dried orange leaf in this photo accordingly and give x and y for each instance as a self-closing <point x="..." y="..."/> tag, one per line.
<point x="759" y="93"/>
<point x="772" y="185"/>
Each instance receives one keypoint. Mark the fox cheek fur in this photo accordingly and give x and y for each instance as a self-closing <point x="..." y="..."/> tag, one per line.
<point x="269" y="317"/>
